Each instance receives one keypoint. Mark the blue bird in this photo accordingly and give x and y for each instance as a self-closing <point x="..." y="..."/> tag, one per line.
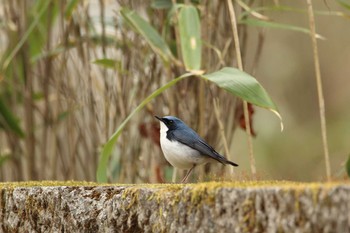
<point x="183" y="148"/>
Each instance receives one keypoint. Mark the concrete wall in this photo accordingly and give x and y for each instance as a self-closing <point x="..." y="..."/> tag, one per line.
<point x="205" y="207"/>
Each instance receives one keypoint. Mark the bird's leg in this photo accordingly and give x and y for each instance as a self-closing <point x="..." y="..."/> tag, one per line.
<point x="187" y="174"/>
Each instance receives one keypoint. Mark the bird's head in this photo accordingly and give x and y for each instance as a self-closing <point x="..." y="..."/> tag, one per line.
<point x="171" y="122"/>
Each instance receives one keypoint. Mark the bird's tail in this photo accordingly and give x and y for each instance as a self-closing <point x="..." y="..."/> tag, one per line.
<point x="232" y="163"/>
<point x="223" y="160"/>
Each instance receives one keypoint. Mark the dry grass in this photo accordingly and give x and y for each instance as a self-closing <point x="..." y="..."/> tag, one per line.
<point x="68" y="106"/>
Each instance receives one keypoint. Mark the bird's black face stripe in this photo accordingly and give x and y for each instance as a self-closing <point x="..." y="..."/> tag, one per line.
<point x="169" y="123"/>
<point x="170" y="135"/>
<point x="165" y="121"/>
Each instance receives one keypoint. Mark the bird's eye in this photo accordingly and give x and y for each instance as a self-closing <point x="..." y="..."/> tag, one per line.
<point x="171" y="121"/>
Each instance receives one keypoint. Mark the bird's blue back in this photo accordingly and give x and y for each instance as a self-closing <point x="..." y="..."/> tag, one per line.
<point x="185" y="135"/>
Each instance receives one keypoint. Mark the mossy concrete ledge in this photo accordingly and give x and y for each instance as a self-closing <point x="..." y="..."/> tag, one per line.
<point x="203" y="207"/>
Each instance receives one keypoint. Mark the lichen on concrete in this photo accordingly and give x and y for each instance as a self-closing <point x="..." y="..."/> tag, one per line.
<point x="204" y="207"/>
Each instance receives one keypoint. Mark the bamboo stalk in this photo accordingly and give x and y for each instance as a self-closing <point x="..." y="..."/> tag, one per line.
<point x="319" y="88"/>
<point x="45" y="86"/>
<point x="104" y="72"/>
<point x="245" y="104"/>
<point x="30" y="140"/>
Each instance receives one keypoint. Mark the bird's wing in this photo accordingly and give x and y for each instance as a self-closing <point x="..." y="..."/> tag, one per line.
<point x="193" y="140"/>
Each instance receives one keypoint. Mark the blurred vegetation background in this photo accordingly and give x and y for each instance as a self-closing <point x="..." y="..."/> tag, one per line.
<point x="72" y="71"/>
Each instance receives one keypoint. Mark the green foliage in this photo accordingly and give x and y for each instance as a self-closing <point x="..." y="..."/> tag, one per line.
<point x="4" y="158"/>
<point x="344" y="3"/>
<point x="70" y="7"/>
<point x="161" y="4"/>
<point x="190" y="37"/>
<point x="107" y="63"/>
<point x="40" y="9"/>
<point x="8" y="121"/>
<point x="242" y="85"/>
<point x="148" y="32"/>
<point x="267" y="24"/>
<point x="347" y="167"/>
<point x="40" y="15"/>
<point x="38" y="37"/>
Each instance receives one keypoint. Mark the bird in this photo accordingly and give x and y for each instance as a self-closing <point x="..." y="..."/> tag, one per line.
<point x="183" y="148"/>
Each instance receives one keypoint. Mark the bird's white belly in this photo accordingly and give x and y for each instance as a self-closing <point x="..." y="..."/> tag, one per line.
<point x="180" y="155"/>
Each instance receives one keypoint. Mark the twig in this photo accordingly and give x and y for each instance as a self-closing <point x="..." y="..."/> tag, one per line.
<point x="245" y="104"/>
<point x="319" y="88"/>
<point x="252" y="12"/>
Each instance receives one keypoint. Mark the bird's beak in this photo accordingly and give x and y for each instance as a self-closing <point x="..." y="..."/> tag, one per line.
<point x="159" y="118"/>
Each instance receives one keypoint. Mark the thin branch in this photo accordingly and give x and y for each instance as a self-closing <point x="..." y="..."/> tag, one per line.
<point x="319" y="88"/>
<point x="245" y="104"/>
<point x="252" y="12"/>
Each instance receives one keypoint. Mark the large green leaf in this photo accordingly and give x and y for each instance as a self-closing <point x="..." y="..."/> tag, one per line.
<point x="101" y="174"/>
<point x="150" y="34"/>
<point x="244" y="86"/>
<point x="190" y="37"/>
<point x="269" y="24"/>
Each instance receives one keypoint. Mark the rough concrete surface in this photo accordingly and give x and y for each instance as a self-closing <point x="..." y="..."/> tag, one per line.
<point x="205" y="207"/>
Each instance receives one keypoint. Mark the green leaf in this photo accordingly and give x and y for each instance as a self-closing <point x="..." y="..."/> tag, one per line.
<point x="344" y="3"/>
<point x="38" y="96"/>
<point x="72" y="4"/>
<point x="107" y="63"/>
<point x="161" y="4"/>
<point x="28" y="32"/>
<point x="37" y="39"/>
<point x="63" y="115"/>
<point x="95" y="38"/>
<point x="244" y="86"/>
<point x="268" y="24"/>
<point x="348" y="167"/>
<point x="4" y="158"/>
<point x="8" y="120"/>
<point x="148" y="32"/>
<point x="190" y="37"/>
<point x="101" y="174"/>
